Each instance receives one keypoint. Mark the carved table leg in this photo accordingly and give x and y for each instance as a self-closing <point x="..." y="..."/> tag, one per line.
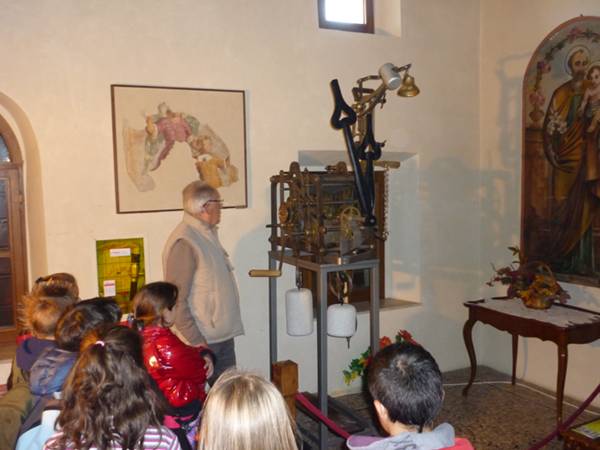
<point x="467" y="329"/>
<point x="563" y="357"/>
<point x="515" y="351"/>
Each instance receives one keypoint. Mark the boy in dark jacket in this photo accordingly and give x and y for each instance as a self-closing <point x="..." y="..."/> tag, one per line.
<point x="42" y="317"/>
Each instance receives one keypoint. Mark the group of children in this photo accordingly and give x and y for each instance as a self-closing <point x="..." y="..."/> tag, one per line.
<point x="105" y="384"/>
<point x="112" y="384"/>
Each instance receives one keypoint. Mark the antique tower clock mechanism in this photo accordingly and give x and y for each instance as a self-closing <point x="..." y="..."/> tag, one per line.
<point x="326" y="225"/>
<point x="330" y="217"/>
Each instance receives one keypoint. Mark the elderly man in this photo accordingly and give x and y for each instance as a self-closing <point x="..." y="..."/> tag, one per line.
<point x="208" y="309"/>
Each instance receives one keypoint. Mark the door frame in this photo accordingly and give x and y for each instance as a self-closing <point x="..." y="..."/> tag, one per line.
<point x="17" y="238"/>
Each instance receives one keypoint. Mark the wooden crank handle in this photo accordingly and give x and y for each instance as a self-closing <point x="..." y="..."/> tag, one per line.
<point x="264" y="273"/>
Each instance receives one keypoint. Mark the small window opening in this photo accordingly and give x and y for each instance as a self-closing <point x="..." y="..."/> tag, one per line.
<point x="4" y="154"/>
<point x="346" y="15"/>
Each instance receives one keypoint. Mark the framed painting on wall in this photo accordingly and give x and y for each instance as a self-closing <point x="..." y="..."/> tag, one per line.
<point x="560" y="221"/>
<point x="166" y="137"/>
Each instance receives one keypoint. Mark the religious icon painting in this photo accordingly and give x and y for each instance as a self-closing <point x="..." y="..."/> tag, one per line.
<point x="560" y="221"/>
<point x="166" y="137"/>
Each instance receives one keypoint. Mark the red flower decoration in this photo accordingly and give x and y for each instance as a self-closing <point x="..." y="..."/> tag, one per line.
<point x="536" y="98"/>
<point x="359" y="365"/>
<point x="384" y="342"/>
<point x="405" y="335"/>
<point x="574" y="34"/>
<point x="543" y="66"/>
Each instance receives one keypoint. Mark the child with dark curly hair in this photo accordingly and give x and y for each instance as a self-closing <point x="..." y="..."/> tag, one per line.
<point x="109" y="400"/>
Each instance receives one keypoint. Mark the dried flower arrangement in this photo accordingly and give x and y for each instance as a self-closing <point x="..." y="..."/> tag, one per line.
<point x="533" y="282"/>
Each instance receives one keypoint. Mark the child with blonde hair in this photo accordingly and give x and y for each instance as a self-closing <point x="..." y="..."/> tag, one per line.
<point x="244" y="411"/>
<point x="60" y="288"/>
<point x="58" y="284"/>
<point x="38" y="315"/>
<point x="41" y="316"/>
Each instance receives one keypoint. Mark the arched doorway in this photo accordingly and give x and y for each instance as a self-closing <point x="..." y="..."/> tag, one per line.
<point x="13" y="259"/>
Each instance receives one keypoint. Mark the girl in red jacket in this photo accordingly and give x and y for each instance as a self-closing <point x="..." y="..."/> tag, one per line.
<point x="179" y="370"/>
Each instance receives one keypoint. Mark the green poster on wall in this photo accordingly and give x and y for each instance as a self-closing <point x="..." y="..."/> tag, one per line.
<point x="121" y="269"/>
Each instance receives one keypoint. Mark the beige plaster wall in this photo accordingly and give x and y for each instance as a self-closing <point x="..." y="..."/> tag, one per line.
<point x="510" y="32"/>
<point x="62" y="56"/>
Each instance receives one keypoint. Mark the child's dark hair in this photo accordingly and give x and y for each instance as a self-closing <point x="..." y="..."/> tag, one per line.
<point x="105" y="306"/>
<point x="82" y="318"/>
<point x="151" y="300"/>
<point x="108" y="397"/>
<point x="407" y="381"/>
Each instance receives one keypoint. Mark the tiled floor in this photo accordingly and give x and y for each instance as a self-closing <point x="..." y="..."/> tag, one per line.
<point x="494" y="416"/>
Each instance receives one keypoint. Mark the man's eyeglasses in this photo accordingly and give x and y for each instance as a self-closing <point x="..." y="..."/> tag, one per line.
<point x="219" y="201"/>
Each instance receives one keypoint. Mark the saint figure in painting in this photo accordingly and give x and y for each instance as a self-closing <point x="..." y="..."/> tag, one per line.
<point x="570" y="138"/>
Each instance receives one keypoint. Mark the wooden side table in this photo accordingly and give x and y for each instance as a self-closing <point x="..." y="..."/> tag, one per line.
<point x="561" y="324"/>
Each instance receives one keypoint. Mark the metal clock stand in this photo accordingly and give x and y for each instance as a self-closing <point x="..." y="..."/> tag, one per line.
<point x="321" y="271"/>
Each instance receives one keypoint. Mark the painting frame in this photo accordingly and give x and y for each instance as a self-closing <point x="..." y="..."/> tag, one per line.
<point x="166" y="137"/>
<point x="560" y="177"/>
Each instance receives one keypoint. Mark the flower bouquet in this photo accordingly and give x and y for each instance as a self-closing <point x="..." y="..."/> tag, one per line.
<point x="533" y="282"/>
<point x="358" y="366"/>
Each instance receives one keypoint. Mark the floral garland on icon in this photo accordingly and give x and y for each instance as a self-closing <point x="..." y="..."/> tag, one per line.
<point x="543" y="66"/>
<point x="358" y="366"/>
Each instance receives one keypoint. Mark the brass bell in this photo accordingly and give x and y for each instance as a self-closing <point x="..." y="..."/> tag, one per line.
<point x="408" y="88"/>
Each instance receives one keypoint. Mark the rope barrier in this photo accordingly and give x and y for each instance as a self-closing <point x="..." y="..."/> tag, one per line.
<point x="316" y="412"/>
<point x="323" y="418"/>
<point x="567" y="422"/>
